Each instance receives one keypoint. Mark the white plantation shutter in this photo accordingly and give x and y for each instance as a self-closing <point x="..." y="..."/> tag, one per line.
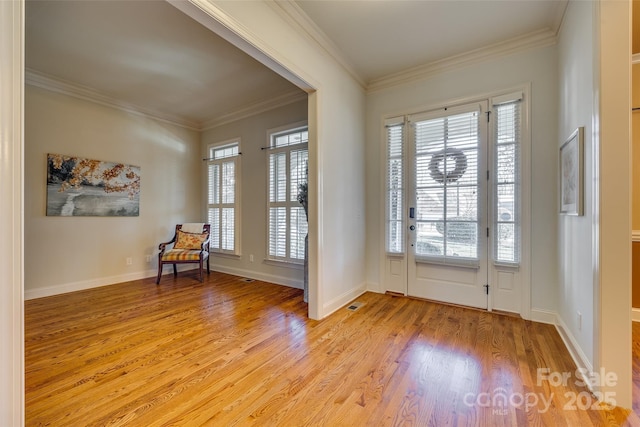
<point x="278" y="232"/>
<point x="278" y="177"/>
<point x="297" y="232"/>
<point x="222" y="196"/>
<point x="277" y="202"/>
<point x="395" y="190"/>
<point x="213" y="204"/>
<point x="447" y="188"/>
<point x="297" y="220"/>
<point x="507" y="131"/>
<point x="287" y="162"/>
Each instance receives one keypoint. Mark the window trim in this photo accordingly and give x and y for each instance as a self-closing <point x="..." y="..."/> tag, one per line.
<point x="270" y="149"/>
<point x="236" y="252"/>
<point x="397" y="281"/>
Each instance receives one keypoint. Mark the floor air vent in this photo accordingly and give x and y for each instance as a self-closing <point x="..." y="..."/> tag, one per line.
<point x="354" y="306"/>
<point x="246" y="279"/>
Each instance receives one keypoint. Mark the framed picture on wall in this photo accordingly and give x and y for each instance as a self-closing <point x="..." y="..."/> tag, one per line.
<point x="572" y="174"/>
<point x="86" y="187"/>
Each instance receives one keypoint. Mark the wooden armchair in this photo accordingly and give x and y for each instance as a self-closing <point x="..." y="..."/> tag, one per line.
<point x="189" y="248"/>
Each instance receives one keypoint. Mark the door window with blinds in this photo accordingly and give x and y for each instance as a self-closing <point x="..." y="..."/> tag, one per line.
<point x="222" y="196"/>
<point x="446" y="185"/>
<point x="287" y="169"/>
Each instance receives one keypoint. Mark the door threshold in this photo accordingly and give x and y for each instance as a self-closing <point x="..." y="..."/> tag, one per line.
<point x="450" y="304"/>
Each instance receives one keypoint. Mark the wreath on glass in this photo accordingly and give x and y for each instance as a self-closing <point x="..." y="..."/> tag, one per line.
<point x="438" y="160"/>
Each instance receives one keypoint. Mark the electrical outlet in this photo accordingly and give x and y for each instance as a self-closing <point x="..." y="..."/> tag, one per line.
<point x="251" y="258"/>
<point x="148" y="258"/>
<point x="129" y="261"/>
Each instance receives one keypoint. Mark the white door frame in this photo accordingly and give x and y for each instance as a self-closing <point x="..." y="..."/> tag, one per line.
<point x="393" y="267"/>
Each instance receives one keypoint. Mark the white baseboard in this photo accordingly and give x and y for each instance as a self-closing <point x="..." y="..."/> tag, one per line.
<point x="342" y="300"/>
<point x="374" y="287"/>
<point x="91" y="283"/>
<point x="278" y="280"/>
<point x="577" y="354"/>
<point x="575" y="351"/>
<point x="111" y="280"/>
<point x="543" y="316"/>
<point x="635" y="314"/>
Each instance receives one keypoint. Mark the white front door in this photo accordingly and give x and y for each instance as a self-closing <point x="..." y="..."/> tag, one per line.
<point x="447" y="198"/>
<point x="455" y="216"/>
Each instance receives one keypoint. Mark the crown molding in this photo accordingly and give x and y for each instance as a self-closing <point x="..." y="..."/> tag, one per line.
<point x="536" y="39"/>
<point x="559" y="14"/>
<point x="294" y="15"/>
<point x="255" y="108"/>
<point x="53" y="84"/>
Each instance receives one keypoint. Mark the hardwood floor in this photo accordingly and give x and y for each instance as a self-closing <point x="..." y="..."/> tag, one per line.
<point x="227" y="352"/>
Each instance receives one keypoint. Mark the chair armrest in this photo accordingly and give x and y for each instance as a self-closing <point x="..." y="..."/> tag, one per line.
<point x="163" y="246"/>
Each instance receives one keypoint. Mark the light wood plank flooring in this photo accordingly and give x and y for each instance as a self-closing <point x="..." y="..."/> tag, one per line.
<point x="227" y="352"/>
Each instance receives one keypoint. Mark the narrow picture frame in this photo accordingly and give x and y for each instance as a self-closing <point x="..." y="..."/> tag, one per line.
<point x="572" y="174"/>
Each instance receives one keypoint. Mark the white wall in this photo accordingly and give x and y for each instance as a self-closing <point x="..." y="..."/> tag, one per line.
<point x="70" y="253"/>
<point x="336" y="140"/>
<point x="575" y="65"/>
<point x="252" y="132"/>
<point x="595" y="250"/>
<point x="536" y="66"/>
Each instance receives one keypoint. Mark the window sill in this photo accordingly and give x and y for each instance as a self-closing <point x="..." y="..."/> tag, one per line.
<point x="395" y="254"/>
<point x="462" y="263"/>
<point x="285" y="264"/>
<point x="512" y="266"/>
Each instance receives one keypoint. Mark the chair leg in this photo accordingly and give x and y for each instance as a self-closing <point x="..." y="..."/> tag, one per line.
<point x="159" y="272"/>
<point x="175" y="270"/>
<point x="201" y="278"/>
<point x="208" y="265"/>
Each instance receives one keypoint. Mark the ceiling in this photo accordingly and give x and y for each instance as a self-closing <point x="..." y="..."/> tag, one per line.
<point x="385" y="37"/>
<point x="149" y="55"/>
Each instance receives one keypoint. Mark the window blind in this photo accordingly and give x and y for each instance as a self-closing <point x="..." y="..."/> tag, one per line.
<point x="395" y="187"/>
<point x="507" y="125"/>
<point x="221" y="197"/>
<point x="447" y="192"/>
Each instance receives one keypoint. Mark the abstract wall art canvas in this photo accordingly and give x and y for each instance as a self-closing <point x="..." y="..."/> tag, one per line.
<point x="85" y="187"/>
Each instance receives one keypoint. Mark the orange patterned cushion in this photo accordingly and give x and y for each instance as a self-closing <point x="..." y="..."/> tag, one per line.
<point x="189" y="240"/>
<point x="183" y="255"/>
